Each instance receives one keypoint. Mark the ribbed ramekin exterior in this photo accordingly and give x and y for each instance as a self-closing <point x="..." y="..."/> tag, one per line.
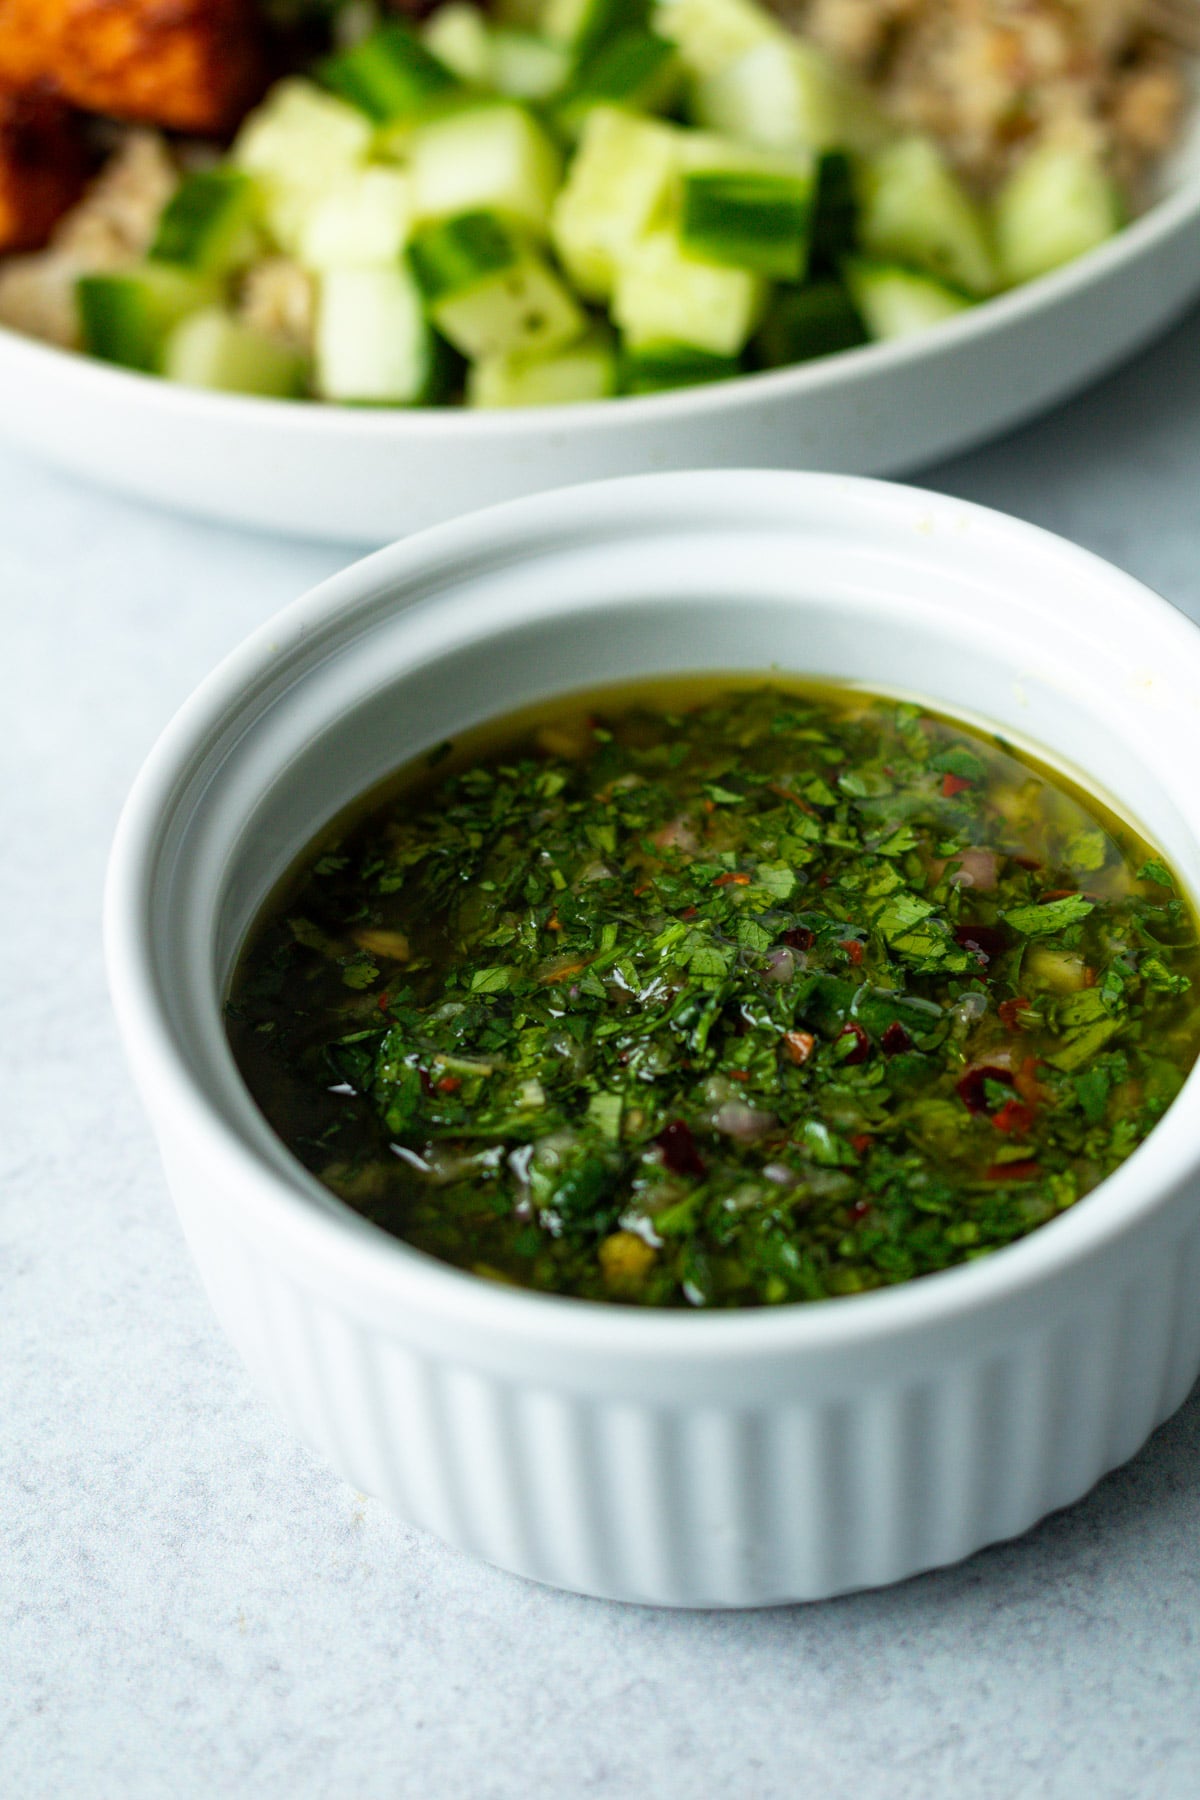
<point x="788" y="1454"/>
<point x="783" y="1494"/>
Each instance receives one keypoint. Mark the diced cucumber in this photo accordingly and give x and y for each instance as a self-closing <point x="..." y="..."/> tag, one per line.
<point x="527" y="309"/>
<point x="616" y="182"/>
<point x="452" y="257"/>
<point x="373" y="341"/>
<point x="583" y="371"/>
<point x="710" y="152"/>
<point x="584" y="25"/>
<point x="804" y="322"/>
<point x="748" y="219"/>
<point x="362" y="222"/>
<point x="488" y="292"/>
<point x="636" y="70"/>
<point x="389" y="75"/>
<point x="521" y="15"/>
<point x="780" y="93"/>
<point x="711" y="34"/>
<point x="525" y="66"/>
<point x="298" y="132"/>
<point x="208" y="224"/>
<point x="835" y="213"/>
<point x="894" y="302"/>
<point x="494" y="157"/>
<point x="660" y="366"/>
<point x="914" y="210"/>
<point x="299" y="144"/>
<point x="664" y="295"/>
<point x="126" y="318"/>
<point x="457" y="35"/>
<point x="1059" y="202"/>
<point x="209" y="349"/>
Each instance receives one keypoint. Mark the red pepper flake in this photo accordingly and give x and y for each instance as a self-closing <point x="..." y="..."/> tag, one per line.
<point x="859" y="1210"/>
<point x="1056" y="894"/>
<point x="971" y="1090"/>
<point x="953" y="784"/>
<point x="642" y="888"/>
<point x="739" y="1074"/>
<point x="1027" y="1083"/>
<point x="449" y="1084"/>
<point x="732" y="880"/>
<point x="678" y="1146"/>
<point x="774" y="787"/>
<point x="552" y="923"/>
<point x="798" y="938"/>
<point x="983" y="941"/>
<point x="1010" y="1011"/>
<point x="383" y="1002"/>
<point x="1014" y="1171"/>
<point x="860" y="1145"/>
<point x="798" y="1046"/>
<point x="862" y="1043"/>
<point x="689" y="912"/>
<point x="710" y="806"/>
<point x="895" y="1039"/>
<point x="853" y="949"/>
<point x="1014" y="1118"/>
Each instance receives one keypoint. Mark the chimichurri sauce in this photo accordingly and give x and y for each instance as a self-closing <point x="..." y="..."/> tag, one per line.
<point x="711" y="996"/>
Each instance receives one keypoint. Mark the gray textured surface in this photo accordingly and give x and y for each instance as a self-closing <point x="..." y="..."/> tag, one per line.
<point x="191" y="1606"/>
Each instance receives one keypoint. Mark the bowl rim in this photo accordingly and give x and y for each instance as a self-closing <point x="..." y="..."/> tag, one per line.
<point x="329" y="1234"/>
<point x="1173" y="213"/>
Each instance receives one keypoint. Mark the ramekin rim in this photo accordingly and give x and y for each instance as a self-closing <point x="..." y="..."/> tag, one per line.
<point x="369" y="1256"/>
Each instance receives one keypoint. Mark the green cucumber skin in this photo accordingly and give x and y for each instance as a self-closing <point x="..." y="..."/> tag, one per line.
<point x="453" y="256"/>
<point x="750" y="221"/>
<point x="807" y="322"/>
<point x="655" y="370"/>
<point x="126" y="319"/>
<point x="389" y="76"/>
<point x="835" y="212"/>
<point x="604" y="20"/>
<point x="206" y="216"/>
<point x="634" y="69"/>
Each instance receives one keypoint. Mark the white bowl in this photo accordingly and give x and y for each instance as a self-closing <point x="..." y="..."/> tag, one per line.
<point x="687" y="1459"/>
<point x="365" y="476"/>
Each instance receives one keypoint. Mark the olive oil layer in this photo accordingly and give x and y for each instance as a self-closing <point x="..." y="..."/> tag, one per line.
<point x="715" y="993"/>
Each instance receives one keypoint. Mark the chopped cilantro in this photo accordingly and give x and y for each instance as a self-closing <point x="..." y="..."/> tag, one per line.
<point x="1049" y="918"/>
<point x="1153" y="870"/>
<point x="771" y="997"/>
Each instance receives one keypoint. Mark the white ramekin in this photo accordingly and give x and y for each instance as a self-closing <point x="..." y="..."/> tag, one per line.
<point x="683" y="1459"/>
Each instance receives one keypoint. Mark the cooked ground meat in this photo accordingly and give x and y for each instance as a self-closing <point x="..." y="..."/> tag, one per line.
<point x="110" y="228"/>
<point x="989" y="78"/>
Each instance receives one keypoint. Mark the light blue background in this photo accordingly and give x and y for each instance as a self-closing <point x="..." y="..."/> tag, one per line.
<point x="190" y="1605"/>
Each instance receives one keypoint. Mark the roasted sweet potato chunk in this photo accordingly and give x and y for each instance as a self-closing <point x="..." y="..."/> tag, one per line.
<point x="188" y="65"/>
<point x="43" y="164"/>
